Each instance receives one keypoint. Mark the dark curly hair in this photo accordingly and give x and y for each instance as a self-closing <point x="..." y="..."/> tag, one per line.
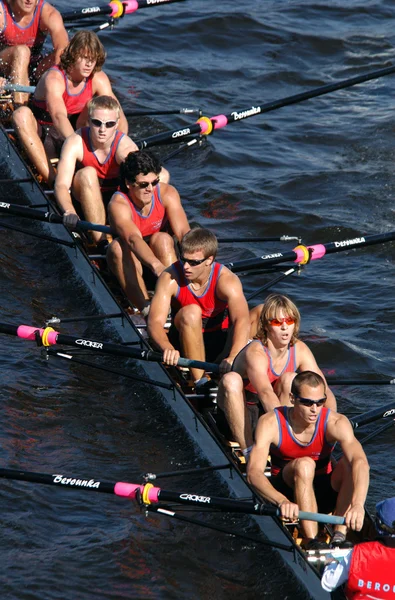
<point x="82" y="44"/>
<point x="141" y="161"/>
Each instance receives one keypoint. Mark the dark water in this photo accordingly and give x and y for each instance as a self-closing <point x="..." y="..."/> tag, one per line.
<point x="322" y="170"/>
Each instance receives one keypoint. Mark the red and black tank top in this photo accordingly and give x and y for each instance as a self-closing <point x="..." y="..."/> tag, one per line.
<point x="156" y="220"/>
<point x="290" y="367"/>
<point x="108" y="170"/>
<point x="290" y="448"/>
<point x="15" y="35"/>
<point x="75" y="103"/>
<point x="214" y="310"/>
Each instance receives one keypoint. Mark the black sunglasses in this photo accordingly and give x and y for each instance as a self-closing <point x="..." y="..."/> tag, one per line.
<point x="310" y="403"/>
<point x="144" y="184"/>
<point x="107" y="124"/>
<point x="192" y="262"/>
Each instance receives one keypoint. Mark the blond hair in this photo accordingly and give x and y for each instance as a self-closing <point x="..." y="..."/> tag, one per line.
<point x="103" y="103"/>
<point x="273" y="305"/>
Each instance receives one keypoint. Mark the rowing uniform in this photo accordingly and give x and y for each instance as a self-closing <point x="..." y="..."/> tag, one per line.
<point x="289" y="448"/>
<point x="156" y="220"/>
<point x="290" y="367"/>
<point x="13" y="34"/>
<point x="371" y="574"/>
<point x="107" y="171"/>
<point x="74" y="103"/>
<point x="215" y="320"/>
<point x="366" y="569"/>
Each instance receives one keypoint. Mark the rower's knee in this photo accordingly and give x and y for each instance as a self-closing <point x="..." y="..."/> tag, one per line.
<point x="21" y="55"/>
<point x="22" y="117"/>
<point x="86" y="177"/>
<point x="189" y="316"/>
<point x="304" y="468"/>
<point x="161" y="242"/>
<point x="230" y="389"/>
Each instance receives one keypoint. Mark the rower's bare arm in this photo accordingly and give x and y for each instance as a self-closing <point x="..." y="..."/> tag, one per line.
<point x="229" y="288"/>
<point x="266" y="434"/>
<point x="129" y="234"/>
<point x="125" y="147"/>
<point x="339" y="429"/>
<point x="54" y="87"/>
<point x="307" y="362"/>
<point x="159" y="310"/>
<point x="174" y="210"/>
<point x="51" y="22"/>
<point x="71" y="152"/>
<point x="256" y="368"/>
<point x="255" y="314"/>
<point x="101" y="86"/>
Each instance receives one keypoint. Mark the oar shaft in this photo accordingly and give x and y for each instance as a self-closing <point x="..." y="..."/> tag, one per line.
<point x="40" y="215"/>
<point x="51" y="338"/>
<point x="88" y="484"/>
<point x="383" y="412"/>
<point x="115" y="9"/>
<point x="360" y="381"/>
<point x="298" y="255"/>
<point x="17" y="87"/>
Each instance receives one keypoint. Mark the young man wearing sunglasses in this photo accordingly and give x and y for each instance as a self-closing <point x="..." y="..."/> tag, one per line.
<point x="89" y="165"/>
<point x="263" y="371"/>
<point x="140" y="214"/>
<point x="59" y="104"/>
<point x="301" y="438"/>
<point x="210" y="318"/>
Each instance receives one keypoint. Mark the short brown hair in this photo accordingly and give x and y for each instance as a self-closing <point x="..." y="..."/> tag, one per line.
<point x="103" y="103"/>
<point x="199" y="239"/>
<point x="272" y="306"/>
<point x="309" y="378"/>
<point x="84" y="42"/>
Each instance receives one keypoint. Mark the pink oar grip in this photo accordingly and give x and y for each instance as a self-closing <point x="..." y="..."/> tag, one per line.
<point x="130" y="6"/>
<point x="220" y="121"/>
<point x="128" y="490"/>
<point x="317" y="251"/>
<point x="29" y="333"/>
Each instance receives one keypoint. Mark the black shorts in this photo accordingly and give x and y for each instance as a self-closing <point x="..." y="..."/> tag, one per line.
<point x="214" y="341"/>
<point x="324" y="493"/>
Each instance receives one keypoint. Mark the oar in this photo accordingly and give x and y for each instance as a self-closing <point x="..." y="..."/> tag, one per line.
<point x="304" y="254"/>
<point x="40" y="215"/>
<point x="149" y="494"/>
<point x="360" y="381"/>
<point x="17" y="87"/>
<point x="247" y="240"/>
<point x="383" y="412"/>
<point x="155" y="113"/>
<point x="49" y="337"/>
<point x="206" y="125"/>
<point x="115" y="9"/>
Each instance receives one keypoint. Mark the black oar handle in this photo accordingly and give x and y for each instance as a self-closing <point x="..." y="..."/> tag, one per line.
<point x="49" y="337"/>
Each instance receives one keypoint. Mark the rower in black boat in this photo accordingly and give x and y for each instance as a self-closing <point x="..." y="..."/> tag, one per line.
<point x="367" y="569"/>
<point x="209" y="311"/>
<point x="24" y="26"/>
<point x="300" y="440"/>
<point x="141" y="214"/>
<point x="89" y="165"/>
<point x="262" y="373"/>
<point x="59" y="104"/>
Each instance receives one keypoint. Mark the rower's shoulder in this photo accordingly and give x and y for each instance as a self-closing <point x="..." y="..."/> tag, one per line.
<point x="49" y="12"/>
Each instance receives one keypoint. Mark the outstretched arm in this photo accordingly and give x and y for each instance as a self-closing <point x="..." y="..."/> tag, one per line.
<point x="71" y="152"/>
<point x="174" y="210"/>
<point x="229" y="289"/>
<point x="51" y="23"/>
<point x="157" y="317"/>
<point x="266" y="433"/>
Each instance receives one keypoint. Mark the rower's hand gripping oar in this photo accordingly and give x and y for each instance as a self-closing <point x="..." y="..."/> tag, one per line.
<point x="148" y="494"/>
<point x="115" y="9"/>
<point x="40" y="215"/>
<point x="50" y="337"/>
